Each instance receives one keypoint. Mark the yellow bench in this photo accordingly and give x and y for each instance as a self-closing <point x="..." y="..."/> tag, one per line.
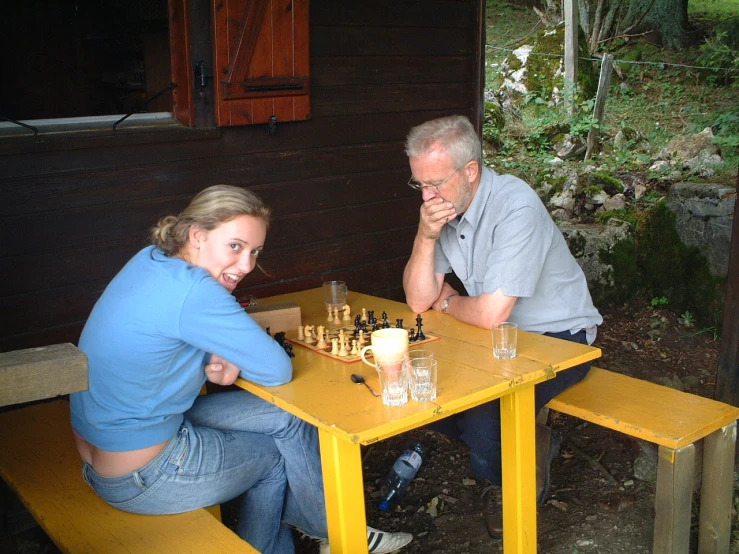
<point x="39" y="462"/>
<point x="673" y="420"/>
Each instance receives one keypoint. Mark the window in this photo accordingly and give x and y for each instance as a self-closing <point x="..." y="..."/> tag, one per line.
<point x="85" y="63"/>
<point x="72" y="59"/>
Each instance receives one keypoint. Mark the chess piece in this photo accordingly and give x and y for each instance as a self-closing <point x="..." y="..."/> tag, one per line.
<point x="347" y="311"/>
<point x="330" y="317"/>
<point x="336" y="316"/>
<point x="364" y="315"/>
<point x="334" y="346"/>
<point x="419" y="324"/>
<point x="342" y="350"/>
<point x="361" y="338"/>
<point x="355" y="350"/>
<point x="412" y="335"/>
<point x="309" y="334"/>
<point x="385" y="323"/>
<point x="321" y="340"/>
<point x="301" y="334"/>
<point x="399" y="323"/>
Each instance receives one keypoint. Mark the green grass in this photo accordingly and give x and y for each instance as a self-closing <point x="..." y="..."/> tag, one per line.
<point x="713" y="10"/>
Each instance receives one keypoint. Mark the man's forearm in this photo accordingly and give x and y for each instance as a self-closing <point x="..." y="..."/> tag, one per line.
<point x="419" y="280"/>
<point x="484" y="310"/>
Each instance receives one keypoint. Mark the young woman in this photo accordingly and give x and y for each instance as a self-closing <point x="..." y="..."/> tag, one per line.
<point x="163" y="326"/>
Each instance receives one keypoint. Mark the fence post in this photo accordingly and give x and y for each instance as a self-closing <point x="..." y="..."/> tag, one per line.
<point x="571" y="26"/>
<point x="600" y="102"/>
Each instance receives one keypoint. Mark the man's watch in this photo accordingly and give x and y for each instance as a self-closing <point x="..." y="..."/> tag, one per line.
<point x="445" y="302"/>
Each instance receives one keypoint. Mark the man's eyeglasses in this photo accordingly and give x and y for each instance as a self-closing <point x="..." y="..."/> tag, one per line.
<point x="415" y="185"/>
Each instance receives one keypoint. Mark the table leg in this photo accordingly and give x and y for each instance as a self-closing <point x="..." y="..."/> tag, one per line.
<point x="344" y="489"/>
<point x="519" y="471"/>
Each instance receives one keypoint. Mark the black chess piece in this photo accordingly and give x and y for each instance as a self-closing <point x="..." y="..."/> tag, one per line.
<point x="419" y="324"/>
<point x="385" y="322"/>
<point x="399" y="323"/>
<point x="412" y="335"/>
<point x="286" y="346"/>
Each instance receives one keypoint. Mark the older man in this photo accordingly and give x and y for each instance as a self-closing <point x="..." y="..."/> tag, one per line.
<point x="495" y="234"/>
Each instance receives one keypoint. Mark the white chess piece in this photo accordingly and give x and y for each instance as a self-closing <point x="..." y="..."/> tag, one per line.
<point x="309" y="334"/>
<point x="342" y="350"/>
<point x="301" y="334"/>
<point x="361" y="338"/>
<point x="321" y="340"/>
<point x="330" y="317"/>
<point x="336" y="316"/>
<point x="355" y="349"/>
<point x="334" y="346"/>
<point x="347" y="312"/>
<point x="364" y="315"/>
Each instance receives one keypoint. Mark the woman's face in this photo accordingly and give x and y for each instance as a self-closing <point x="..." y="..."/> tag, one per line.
<point x="229" y="251"/>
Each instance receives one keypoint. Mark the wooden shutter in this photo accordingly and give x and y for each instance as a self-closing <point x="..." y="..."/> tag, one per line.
<point x="261" y="61"/>
<point x="181" y="62"/>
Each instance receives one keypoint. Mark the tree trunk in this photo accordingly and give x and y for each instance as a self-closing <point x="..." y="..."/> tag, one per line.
<point x="668" y="18"/>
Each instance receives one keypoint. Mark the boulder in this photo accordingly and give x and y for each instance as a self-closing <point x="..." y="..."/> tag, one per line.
<point x="523" y="73"/>
<point x="704" y="215"/>
<point x="587" y="240"/>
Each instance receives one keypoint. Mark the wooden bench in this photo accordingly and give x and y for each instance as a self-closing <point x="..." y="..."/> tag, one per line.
<point x="673" y="420"/>
<point x="39" y="462"/>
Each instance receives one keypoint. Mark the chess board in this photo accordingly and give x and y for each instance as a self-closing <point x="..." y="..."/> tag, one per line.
<point x="332" y="332"/>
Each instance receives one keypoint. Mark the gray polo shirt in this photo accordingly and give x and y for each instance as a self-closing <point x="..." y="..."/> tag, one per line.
<point x="507" y="240"/>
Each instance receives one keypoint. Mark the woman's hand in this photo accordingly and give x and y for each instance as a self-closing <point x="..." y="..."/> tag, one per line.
<point x="220" y="371"/>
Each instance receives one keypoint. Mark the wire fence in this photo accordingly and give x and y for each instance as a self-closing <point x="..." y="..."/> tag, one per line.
<point x="661" y="65"/>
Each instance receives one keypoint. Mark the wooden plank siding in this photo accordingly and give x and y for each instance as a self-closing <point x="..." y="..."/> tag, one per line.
<point x="76" y="208"/>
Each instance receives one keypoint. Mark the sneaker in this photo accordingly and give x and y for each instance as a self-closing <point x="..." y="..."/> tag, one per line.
<point x="379" y="542"/>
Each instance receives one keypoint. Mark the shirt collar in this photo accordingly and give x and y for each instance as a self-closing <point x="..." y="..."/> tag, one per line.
<point x="474" y="213"/>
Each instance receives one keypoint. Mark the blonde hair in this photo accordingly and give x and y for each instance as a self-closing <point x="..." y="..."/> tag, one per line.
<point x="210" y="207"/>
<point x="455" y="134"/>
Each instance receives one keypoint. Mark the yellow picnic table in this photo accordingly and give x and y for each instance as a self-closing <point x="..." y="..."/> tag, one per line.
<point x="347" y="416"/>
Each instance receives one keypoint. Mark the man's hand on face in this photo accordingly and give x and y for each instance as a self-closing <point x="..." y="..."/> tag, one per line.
<point x="435" y="213"/>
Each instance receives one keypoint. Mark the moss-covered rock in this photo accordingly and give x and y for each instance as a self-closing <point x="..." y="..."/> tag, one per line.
<point x="604" y="181"/>
<point x="538" y="67"/>
<point x="655" y="262"/>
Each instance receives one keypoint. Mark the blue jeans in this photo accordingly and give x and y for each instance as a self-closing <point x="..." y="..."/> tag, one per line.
<point x="230" y="444"/>
<point x="479" y="427"/>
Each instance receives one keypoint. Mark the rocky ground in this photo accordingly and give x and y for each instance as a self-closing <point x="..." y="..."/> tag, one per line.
<point x="597" y="503"/>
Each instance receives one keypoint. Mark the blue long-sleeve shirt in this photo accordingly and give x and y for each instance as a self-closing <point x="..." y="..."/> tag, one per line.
<point x="148" y="339"/>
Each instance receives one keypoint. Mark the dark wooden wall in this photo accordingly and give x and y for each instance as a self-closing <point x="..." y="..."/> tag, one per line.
<point x="75" y="209"/>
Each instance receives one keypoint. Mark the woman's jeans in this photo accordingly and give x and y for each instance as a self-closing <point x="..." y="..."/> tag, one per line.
<point x="230" y="444"/>
<point x="479" y="427"/>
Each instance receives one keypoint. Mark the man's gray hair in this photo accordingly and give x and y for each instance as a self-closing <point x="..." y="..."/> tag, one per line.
<point x="455" y="134"/>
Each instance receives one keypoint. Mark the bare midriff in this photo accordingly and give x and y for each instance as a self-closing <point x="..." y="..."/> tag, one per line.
<point x="115" y="464"/>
